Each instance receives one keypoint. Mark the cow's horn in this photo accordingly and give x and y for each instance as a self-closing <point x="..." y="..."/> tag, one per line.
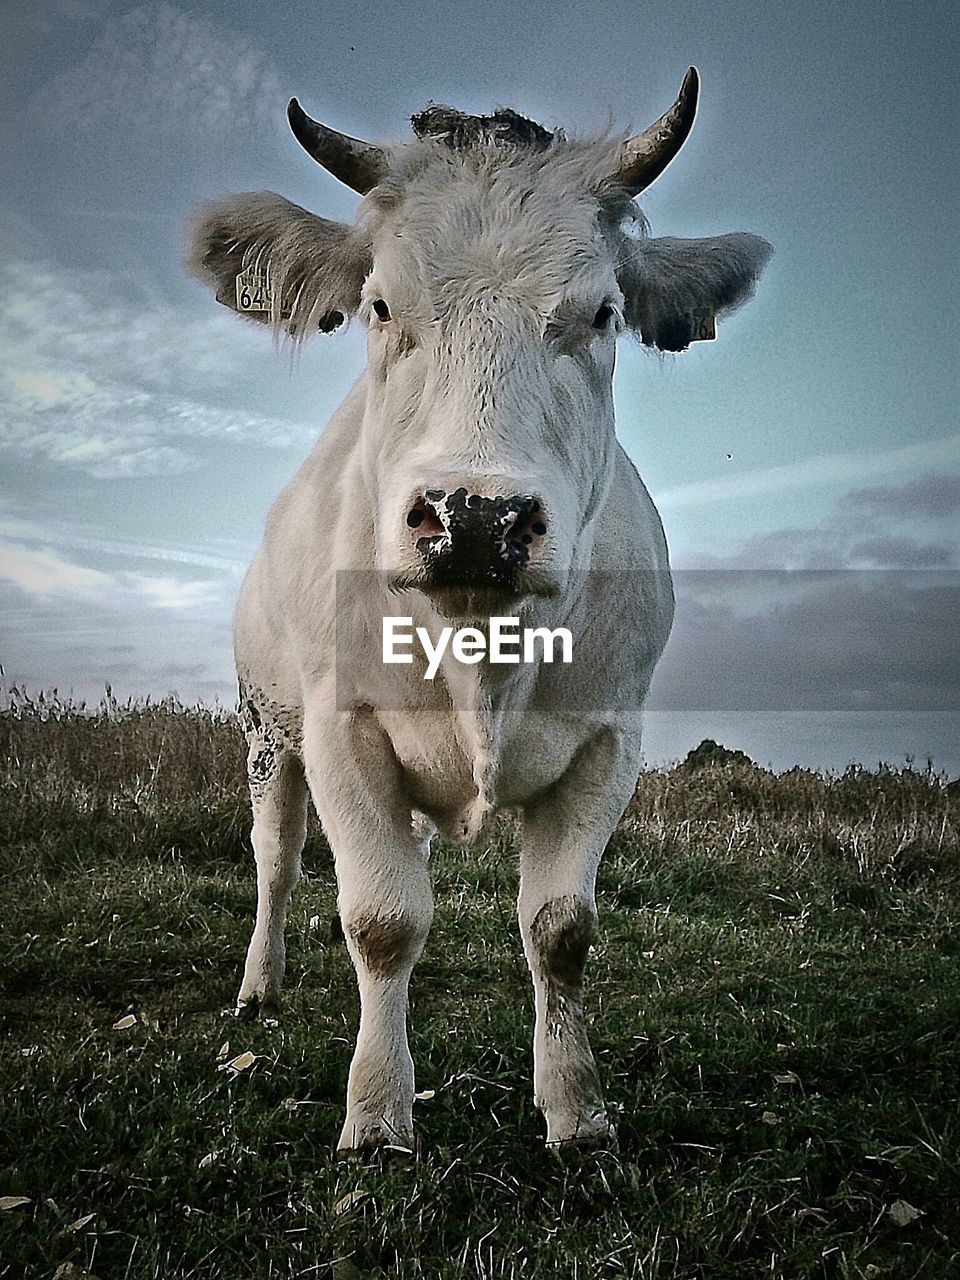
<point x="358" y="164"/>
<point x="647" y="155"/>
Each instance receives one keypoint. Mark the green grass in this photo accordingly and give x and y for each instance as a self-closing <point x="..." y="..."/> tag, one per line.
<point x="774" y="1005"/>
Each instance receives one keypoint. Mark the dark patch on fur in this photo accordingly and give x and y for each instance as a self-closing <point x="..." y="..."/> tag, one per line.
<point x="271" y="731"/>
<point x="261" y="765"/>
<point x="247" y="710"/>
<point x="264" y="748"/>
<point x="461" y="132"/>
<point x="384" y="943"/>
<point x="562" y="932"/>
<point x="261" y="717"/>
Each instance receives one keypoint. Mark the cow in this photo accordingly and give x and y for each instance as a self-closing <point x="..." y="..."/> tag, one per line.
<point x="472" y="473"/>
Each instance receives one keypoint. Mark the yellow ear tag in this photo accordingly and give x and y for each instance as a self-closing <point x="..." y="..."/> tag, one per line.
<point x="253" y="291"/>
<point x="704" y="325"/>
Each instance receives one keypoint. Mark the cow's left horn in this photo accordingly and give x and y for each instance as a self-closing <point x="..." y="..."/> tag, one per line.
<point x="360" y="165"/>
<point x="647" y="155"/>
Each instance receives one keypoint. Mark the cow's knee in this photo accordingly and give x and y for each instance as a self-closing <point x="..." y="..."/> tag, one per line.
<point x="386" y="944"/>
<point x="561" y="934"/>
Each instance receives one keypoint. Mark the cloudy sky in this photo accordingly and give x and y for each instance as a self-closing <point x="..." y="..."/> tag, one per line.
<point x="144" y="431"/>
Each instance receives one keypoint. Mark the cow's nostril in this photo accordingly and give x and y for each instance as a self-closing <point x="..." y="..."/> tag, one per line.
<point x="531" y="524"/>
<point x="424" y="517"/>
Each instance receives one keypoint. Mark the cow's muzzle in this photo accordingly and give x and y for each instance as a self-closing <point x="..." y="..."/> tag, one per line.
<point x="469" y="540"/>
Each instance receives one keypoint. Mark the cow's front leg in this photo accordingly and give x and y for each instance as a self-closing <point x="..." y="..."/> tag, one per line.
<point x="564" y="836"/>
<point x="386" y="908"/>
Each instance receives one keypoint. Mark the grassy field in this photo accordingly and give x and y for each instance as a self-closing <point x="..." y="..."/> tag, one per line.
<point x="775" y="1007"/>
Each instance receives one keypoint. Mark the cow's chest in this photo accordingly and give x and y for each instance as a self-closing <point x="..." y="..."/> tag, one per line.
<point x="450" y="764"/>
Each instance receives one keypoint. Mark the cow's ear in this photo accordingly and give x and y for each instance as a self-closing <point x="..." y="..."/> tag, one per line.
<point x="673" y="289"/>
<point x="272" y="261"/>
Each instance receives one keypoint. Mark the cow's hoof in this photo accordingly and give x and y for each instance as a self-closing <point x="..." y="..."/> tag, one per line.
<point x="362" y="1143"/>
<point x="380" y="1154"/>
<point x="250" y="1008"/>
<point x="594" y="1135"/>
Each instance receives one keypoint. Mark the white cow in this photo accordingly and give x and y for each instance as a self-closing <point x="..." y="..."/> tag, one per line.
<point x="473" y="471"/>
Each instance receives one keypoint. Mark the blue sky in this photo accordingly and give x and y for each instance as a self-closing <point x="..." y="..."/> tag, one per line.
<point x="144" y="431"/>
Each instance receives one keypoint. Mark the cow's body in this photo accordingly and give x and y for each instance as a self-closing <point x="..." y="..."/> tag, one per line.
<point x="486" y="407"/>
<point x="518" y="726"/>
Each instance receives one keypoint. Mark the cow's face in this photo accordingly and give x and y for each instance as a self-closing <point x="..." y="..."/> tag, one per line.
<point x="493" y="311"/>
<point x="494" y="265"/>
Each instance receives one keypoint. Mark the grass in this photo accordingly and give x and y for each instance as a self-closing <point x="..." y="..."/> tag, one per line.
<point x="774" y="1004"/>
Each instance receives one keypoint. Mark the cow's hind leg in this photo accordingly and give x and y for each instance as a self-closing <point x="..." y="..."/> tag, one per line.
<point x="278" y="792"/>
<point x="564" y="836"/>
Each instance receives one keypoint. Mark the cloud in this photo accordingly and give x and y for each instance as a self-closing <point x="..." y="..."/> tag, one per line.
<point x="882" y="551"/>
<point x="172" y="593"/>
<point x="158" y="69"/>
<point x="78" y="539"/>
<point x="71" y="322"/>
<point x="831" y="546"/>
<point x="81" y="610"/>
<point x="79" y="645"/>
<point x="935" y="495"/>
<point x="861" y="533"/>
<point x="41" y="573"/>
<point x="96" y="378"/>
<point x="51" y="17"/>
<point x="76" y="627"/>
<point x="859" y="613"/>
<point x="812" y="473"/>
<point x="753" y="641"/>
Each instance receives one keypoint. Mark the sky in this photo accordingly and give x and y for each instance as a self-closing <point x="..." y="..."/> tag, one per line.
<point x="806" y="465"/>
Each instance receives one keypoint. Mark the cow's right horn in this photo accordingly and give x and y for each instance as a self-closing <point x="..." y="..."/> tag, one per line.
<point x="358" y="164"/>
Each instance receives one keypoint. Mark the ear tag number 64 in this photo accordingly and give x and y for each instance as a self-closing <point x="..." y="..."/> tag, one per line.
<point x="253" y="293"/>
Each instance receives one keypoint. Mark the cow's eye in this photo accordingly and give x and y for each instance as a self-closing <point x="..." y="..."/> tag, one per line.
<point x="381" y="309"/>
<point x="603" y="317"/>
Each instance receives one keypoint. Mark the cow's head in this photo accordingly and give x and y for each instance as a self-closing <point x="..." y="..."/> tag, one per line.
<point x="494" y="264"/>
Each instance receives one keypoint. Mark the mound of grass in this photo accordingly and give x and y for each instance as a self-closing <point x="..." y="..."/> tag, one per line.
<point x="774" y="1005"/>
